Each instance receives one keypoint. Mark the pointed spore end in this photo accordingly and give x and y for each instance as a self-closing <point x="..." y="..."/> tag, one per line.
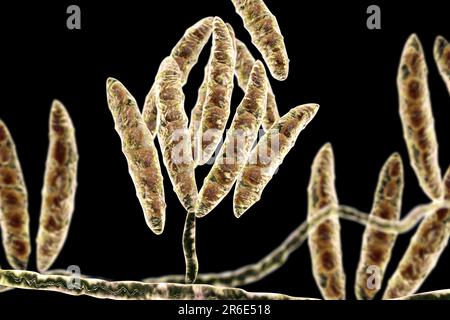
<point x="306" y="112"/>
<point x="110" y="81"/>
<point x="57" y="106"/>
<point x="324" y="160"/>
<point x="396" y="159"/>
<point x="393" y="167"/>
<point x="314" y="108"/>
<point x="4" y="132"/>
<point x="440" y="42"/>
<point x="58" y="109"/>
<point x="218" y="20"/>
<point x="43" y="263"/>
<point x="206" y="22"/>
<point x="258" y="68"/>
<point x="239" y="211"/>
<point x="156" y="225"/>
<point x="220" y="30"/>
<point x="60" y="120"/>
<point x="414" y="42"/>
<point x="115" y="89"/>
<point x="328" y="148"/>
<point x="441" y="50"/>
<point x="309" y="107"/>
<point x="117" y="93"/>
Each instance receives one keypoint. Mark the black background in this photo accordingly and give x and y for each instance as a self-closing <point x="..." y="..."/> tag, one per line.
<point x="335" y="61"/>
